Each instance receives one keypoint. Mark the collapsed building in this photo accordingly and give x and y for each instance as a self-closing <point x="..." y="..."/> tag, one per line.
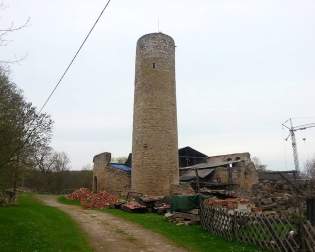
<point x="157" y="167"/>
<point x="153" y="167"/>
<point x="235" y="171"/>
<point x="269" y="191"/>
<point x="219" y="172"/>
<point x="111" y="177"/>
<point x="281" y="191"/>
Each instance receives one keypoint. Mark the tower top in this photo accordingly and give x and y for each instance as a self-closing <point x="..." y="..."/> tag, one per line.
<point x="154" y="44"/>
<point x="156" y="35"/>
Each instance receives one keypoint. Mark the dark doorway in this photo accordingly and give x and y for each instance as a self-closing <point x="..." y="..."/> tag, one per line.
<point x="95" y="184"/>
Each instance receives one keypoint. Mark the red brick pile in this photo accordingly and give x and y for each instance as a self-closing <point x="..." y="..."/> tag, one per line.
<point x="240" y="204"/>
<point x="133" y="206"/>
<point x="89" y="199"/>
<point x="80" y="194"/>
<point x="231" y="203"/>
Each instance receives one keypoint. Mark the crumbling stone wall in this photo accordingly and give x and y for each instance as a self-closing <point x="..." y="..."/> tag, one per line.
<point x="106" y="178"/>
<point x="274" y="194"/>
<point x="244" y="174"/>
<point x="117" y="181"/>
<point x="154" y="146"/>
<point x="245" y="156"/>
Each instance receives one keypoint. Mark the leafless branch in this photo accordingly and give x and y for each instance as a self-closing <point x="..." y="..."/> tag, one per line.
<point x="16" y="28"/>
<point x="16" y="60"/>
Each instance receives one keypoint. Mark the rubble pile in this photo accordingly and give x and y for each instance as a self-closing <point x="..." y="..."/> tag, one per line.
<point x="156" y="204"/>
<point x="146" y="204"/>
<point x="220" y="193"/>
<point x="89" y="199"/>
<point x="99" y="200"/>
<point x="274" y="197"/>
<point x="161" y="208"/>
<point x="79" y="194"/>
<point x="181" y="218"/>
<point x="134" y="207"/>
<point x="233" y="204"/>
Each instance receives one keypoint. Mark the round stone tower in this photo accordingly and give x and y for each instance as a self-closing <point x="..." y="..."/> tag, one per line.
<point x="154" y="140"/>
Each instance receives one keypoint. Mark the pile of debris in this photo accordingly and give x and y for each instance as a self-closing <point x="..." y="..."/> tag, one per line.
<point x="233" y="204"/>
<point x="275" y="197"/>
<point x="89" y="199"/>
<point x="184" y="218"/>
<point x="141" y="204"/>
<point x="219" y="193"/>
<point x="79" y="194"/>
<point x="133" y="207"/>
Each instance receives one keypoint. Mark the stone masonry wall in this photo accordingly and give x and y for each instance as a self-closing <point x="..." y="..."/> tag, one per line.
<point x="116" y="181"/>
<point x="244" y="174"/>
<point x="106" y="178"/>
<point x="155" y="147"/>
<point x="234" y="157"/>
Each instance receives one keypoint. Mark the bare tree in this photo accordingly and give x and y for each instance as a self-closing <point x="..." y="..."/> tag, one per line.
<point x="309" y="168"/>
<point x="61" y="162"/>
<point x="43" y="159"/>
<point x="259" y="166"/>
<point x="4" y="41"/>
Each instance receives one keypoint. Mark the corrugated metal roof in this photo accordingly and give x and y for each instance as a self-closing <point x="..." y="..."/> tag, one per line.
<point x="190" y="174"/>
<point x="208" y="165"/>
<point x="122" y="167"/>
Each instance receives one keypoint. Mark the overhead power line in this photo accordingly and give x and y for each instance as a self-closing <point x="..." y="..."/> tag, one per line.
<point x="74" y="57"/>
<point x="30" y="132"/>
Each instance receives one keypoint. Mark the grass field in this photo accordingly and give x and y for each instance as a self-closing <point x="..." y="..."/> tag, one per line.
<point x="193" y="237"/>
<point x="64" y="200"/>
<point x="32" y="226"/>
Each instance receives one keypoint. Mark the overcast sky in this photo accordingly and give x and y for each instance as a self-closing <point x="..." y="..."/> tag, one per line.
<point x="242" y="68"/>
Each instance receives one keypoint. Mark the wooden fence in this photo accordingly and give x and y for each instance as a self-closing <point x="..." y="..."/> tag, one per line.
<point x="270" y="233"/>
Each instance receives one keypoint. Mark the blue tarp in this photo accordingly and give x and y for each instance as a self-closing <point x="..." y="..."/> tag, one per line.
<point x="121" y="167"/>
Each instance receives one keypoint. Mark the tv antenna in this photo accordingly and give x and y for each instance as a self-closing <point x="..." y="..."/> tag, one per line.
<point x="292" y="129"/>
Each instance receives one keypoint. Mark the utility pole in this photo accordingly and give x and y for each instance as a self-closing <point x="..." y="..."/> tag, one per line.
<point x="292" y="129"/>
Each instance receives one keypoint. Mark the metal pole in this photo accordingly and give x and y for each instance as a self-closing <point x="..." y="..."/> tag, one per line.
<point x="294" y="147"/>
<point x="197" y="180"/>
<point x="230" y="179"/>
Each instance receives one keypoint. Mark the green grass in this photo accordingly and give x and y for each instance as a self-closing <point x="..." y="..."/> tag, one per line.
<point x="192" y="237"/>
<point x="64" y="200"/>
<point x="32" y="226"/>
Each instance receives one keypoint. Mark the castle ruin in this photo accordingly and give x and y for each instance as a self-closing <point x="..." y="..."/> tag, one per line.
<point x="154" y="140"/>
<point x="153" y="167"/>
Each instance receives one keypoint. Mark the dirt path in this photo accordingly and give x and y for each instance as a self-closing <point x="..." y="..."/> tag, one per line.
<point x="109" y="233"/>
